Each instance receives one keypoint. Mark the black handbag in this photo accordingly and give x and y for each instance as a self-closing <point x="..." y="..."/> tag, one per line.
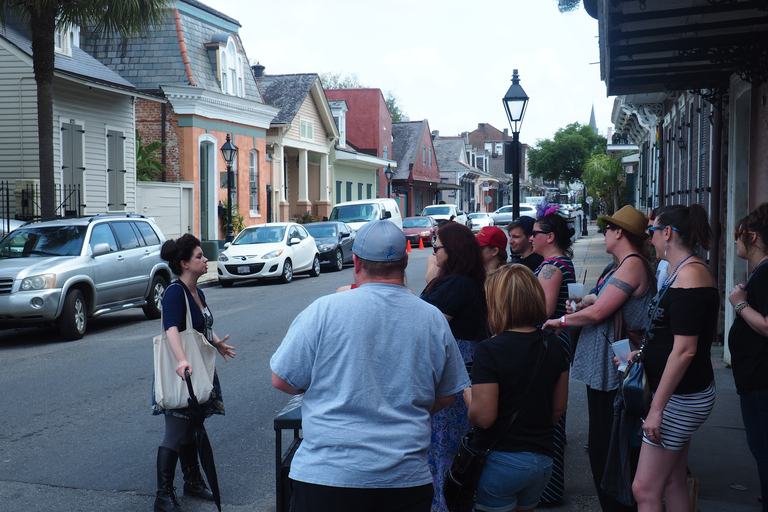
<point x="635" y="388"/>
<point x="460" y="487"/>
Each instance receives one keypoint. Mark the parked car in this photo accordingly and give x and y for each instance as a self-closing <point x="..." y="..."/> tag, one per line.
<point x="69" y="270"/>
<point x="445" y="211"/>
<point x="357" y="213"/>
<point x="276" y="249"/>
<point x="504" y="215"/>
<point x="478" y="221"/>
<point x="416" y="228"/>
<point x="8" y="225"/>
<point x="334" y="242"/>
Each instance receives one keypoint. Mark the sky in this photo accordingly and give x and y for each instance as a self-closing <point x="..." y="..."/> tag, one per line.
<point x="447" y="61"/>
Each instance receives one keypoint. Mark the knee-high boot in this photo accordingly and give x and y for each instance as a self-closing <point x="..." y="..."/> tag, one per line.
<point x="165" y="500"/>
<point x="194" y="485"/>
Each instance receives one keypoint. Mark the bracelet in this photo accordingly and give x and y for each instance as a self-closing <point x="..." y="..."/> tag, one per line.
<point x="739" y="307"/>
<point x="562" y="321"/>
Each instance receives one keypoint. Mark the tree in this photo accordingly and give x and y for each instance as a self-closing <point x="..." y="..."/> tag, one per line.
<point x="604" y="176"/>
<point x="42" y="18"/>
<point x="148" y="167"/>
<point x="568" y="5"/>
<point x="564" y="157"/>
<point x="339" y="81"/>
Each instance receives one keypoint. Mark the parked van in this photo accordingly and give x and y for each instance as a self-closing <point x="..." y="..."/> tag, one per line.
<point x="357" y="213"/>
<point x="445" y="212"/>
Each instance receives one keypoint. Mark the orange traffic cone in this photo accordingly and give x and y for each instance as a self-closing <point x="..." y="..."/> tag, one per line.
<point x="421" y="243"/>
<point x="408" y="246"/>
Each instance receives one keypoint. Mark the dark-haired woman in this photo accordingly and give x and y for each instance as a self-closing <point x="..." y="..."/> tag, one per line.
<point x="512" y="373"/>
<point x="677" y="358"/>
<point x="748" y="338"/>
<point x="186" y="259"/>
<point x="457" y="291"/>
<point x="551" y="238"/>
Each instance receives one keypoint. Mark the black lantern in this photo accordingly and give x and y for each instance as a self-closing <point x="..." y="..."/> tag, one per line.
<point x="229" y="152"/>
<point x="515" y="103"/>
<point x="388" y="173"/>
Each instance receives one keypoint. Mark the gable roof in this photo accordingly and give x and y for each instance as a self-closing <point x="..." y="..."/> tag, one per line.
<point x="450" y="154"/>
<point x="405" y="144"/>
<point x="286" y="92"/>
<point x="79" y="65"/>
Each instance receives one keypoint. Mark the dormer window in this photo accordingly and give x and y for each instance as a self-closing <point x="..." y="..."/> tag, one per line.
<point x="231" y="69"/>
<point x="65" y="38"/>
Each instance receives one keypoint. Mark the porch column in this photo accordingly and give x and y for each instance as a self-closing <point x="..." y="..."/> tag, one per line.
<point x="324" y="204"/>
<point x="303" y="204"/>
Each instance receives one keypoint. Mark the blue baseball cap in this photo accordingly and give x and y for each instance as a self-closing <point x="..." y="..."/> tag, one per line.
<point x="380" y="240"/>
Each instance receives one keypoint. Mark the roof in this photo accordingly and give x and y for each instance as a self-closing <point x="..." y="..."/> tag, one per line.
<point x="405" y="144"/>
<point x="671" y="45"/>
<point x="286" y="92"/>
<point x="450" y="154"/>
<point x="80" y="64"/>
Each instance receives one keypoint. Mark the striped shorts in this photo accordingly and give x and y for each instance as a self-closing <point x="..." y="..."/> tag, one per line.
<point x="683" y="415"/>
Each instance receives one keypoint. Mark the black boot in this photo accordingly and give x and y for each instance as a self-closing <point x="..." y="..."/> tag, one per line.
<point x="194" y="485"/>
<point x="165" y="500"/>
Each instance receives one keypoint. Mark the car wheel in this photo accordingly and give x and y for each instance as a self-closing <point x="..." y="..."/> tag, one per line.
<point x="339" y="264"/>
<point x="315" y="270"/>
<point x="73" y="317"/>
<point x="154" y="308"/>
<point x="287" y="275"/>
<point x="225" y="283"/>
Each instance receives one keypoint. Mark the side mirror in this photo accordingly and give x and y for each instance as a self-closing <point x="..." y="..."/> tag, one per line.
<point x="345" y="235"/>
<point x="100" y="249"/>
<point x="387" y="214"/>
<point x="227" y="244"/>
<point x="294" y="241"/>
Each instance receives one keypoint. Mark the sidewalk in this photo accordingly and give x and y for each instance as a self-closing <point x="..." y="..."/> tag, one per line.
<point x="719" y="456"/>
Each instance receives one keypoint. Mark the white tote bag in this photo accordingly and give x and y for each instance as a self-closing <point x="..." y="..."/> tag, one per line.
<point x="170" y="390"/>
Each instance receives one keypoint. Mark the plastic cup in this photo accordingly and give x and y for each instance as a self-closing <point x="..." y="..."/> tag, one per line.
<point x="622" y="350"/>
<point x="575" y="291"/>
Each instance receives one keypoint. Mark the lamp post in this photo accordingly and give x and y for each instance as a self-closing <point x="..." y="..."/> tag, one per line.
<point x="388" y="174"/>
<point x="515" y="102"/>
<point x="585" y="219"/>
<point x="229" y="151"/>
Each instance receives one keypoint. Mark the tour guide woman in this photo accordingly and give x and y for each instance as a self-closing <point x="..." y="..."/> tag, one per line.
<point x="507" y="377"/>
<point x="186" y="259"/>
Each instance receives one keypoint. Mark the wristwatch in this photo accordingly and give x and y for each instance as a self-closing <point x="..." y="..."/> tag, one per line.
<point x="562" y="321"/>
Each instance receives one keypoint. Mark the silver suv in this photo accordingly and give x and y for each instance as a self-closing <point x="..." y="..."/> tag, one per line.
<point x="65" y="271"/>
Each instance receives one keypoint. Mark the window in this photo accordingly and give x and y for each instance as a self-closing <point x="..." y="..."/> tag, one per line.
<point x="102" y="234"/>
<point x="307" y="129"/>
<point x="369" y="191"/>
<point x="231" y="69"/>
<point x="360" y="191"/>
<point x="385" y="153"/>
<point x="126" y="235"/>
<point x="430" y="157"/>
<point x="338" y="191"/>
<point x="349" y="191"/>
<point x="149" y="235"/>
<point x="499" y="148"/>
<point x="423" y="154"/>
<point x="65" y="38"/>
<point x="489" y="147"/>
<point x="115" y="171"/>
<point x="253" y="172"/>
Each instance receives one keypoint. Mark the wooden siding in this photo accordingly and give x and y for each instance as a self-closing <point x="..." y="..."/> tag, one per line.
<point x="18" y="118"/>
<point x="309" y="111"/>
<point x="97" y="111"/>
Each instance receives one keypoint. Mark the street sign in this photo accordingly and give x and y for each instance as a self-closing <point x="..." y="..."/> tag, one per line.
<point x="488" y="199"/>
<point x="589" y="199"/>
<point x="485" y="185"/>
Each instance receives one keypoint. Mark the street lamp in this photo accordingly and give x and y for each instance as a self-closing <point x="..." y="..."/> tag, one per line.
<point x="585" y="219"/>
<point x="515" y="102"/>
<point x="229" y="152"/>
<point x="388" y="174"/>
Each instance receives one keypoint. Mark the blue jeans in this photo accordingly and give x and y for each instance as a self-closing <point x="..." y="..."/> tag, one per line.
<point x="754" y="411"/>
<point x="512" y="480"/>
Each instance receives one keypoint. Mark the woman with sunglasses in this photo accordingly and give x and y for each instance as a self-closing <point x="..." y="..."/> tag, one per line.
<point x="626" y="289"/>
<point x="457" y="291"/>
<point x="748" y="337"/>
<point x="677" y="358"/>
<point x="551" y="238"/>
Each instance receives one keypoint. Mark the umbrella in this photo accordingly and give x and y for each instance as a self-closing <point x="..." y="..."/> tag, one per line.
<point x="204" y="450"/>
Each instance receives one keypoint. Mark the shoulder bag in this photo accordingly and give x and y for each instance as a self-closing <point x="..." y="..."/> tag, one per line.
<point x="170" y="390"/>
<point x="460" y="488"/>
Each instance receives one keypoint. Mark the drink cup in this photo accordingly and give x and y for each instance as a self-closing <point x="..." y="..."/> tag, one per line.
<point x="622" y="350"/>
<point x="575" y="291"/>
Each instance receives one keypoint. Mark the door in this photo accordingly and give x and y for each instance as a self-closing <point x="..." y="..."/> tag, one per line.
<point x="133" y="255"/>
<point x="108" y="271"/>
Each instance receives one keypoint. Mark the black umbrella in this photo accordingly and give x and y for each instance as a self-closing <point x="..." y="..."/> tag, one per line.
<point x="197" y="417"/>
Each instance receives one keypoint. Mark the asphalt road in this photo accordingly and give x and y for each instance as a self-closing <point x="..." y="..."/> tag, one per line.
<point x="76" y="429"/>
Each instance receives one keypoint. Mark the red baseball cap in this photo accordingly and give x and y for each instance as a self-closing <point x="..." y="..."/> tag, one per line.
<point x="491" y="235"/>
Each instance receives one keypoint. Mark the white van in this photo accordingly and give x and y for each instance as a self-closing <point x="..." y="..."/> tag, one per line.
<point x="445" y="212"/>
<point x="357" y="213"/>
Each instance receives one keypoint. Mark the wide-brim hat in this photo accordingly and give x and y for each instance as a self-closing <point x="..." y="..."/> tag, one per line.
<point x="629" y="219"/>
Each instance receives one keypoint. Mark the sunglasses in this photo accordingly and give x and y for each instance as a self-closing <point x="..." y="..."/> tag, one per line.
<point x="737" y="234"/>
<point x="436" y="248"/>
<point x="537" y="232"/>
<point x="659" y="228"/>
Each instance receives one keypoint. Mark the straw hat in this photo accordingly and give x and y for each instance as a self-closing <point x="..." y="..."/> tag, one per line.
<point x="630" y="219"/>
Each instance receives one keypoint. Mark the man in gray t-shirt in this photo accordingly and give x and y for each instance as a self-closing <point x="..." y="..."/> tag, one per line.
<point x="373" y="363"/>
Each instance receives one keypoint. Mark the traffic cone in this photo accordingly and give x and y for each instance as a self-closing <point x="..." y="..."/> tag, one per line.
<point x="408" y="246"/>
<point x="421" y="243"/>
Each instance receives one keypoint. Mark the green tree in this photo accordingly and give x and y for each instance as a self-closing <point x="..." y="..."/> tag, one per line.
<point x="564" y="156"/>
<point x="42" y="17"/>
<point x="604" y="176"/>
<point x="339" y="81"/>
<point x="148" y="167"/>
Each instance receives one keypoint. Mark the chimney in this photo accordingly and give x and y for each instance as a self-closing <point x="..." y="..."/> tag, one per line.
<point x="465" y="135"/>
<point x="435" y="134"/>
<point x="258" y="70"/>
<point x="506" y="132"/>
<point x="481" y="126"/>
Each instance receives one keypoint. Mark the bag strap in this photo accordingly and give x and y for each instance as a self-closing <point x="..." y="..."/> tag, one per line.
<point x="527" y="394"/>
<point x="647" y="336"/>
<point x="563" y="263"/>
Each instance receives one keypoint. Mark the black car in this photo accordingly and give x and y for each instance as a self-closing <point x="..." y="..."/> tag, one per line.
<point x="334" y="242"/>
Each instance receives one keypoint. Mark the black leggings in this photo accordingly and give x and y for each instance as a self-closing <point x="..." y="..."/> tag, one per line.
<point x="178" y="431"/>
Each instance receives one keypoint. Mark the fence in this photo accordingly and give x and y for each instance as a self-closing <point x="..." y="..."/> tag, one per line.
<point x="22" y="200"/>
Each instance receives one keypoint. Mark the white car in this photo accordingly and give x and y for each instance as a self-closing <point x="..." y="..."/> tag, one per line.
<point x="444" y="212"/>
<point x="504" y="215"/>
<point x="277" y="249"/>
<point x="478" y="221"/>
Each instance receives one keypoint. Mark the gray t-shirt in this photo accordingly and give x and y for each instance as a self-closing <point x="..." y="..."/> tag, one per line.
<point x="372" y="361"/>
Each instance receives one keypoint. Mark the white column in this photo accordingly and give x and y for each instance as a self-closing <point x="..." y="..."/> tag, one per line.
<point x="325" y="184"/>
<point x="303" y="176"/>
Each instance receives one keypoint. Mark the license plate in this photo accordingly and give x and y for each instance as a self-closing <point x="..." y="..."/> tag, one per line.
<point x="244" y="269"/>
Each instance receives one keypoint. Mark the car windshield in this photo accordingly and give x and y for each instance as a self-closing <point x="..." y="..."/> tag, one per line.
<point x="437" y="210"/>
<point x="354" y="213"/>
<point x="321" y="230"/>
<point x="477" y="215"/>
<point x="416" y="223"/>
<point x="43" y="242"/>
<point x="260" y="235"/>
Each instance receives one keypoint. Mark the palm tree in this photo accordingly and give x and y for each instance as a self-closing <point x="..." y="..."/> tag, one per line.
<point x="42" y="17"/>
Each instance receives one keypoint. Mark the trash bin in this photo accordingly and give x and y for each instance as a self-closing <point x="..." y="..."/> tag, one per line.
<point x="288" y="419"/>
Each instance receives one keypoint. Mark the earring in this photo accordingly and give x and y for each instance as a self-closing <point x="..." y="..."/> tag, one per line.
<point x="666" y="246"/>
